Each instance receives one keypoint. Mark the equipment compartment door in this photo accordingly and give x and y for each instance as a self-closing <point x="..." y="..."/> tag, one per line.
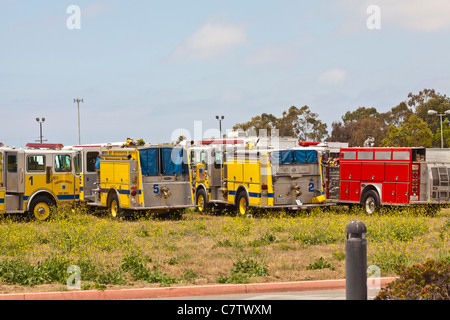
<point x="344" y="190"/>
<point x="354" y="191"/>
<point x="350" y="171"/>
<point x="282" y="193"/>
<point x="389" y="193"/>
<point x="402" y="192"/>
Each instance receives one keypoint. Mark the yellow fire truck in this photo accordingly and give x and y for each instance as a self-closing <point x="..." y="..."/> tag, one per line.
<point x="33" y="180"/>
<point x="87" y="158"/>
<point x="149" y="178"/>
<point x="264" y="178"/>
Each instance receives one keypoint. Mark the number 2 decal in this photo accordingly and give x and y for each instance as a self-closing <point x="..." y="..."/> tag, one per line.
<point x="156" y="188"/>
<point x="311" y="187"/>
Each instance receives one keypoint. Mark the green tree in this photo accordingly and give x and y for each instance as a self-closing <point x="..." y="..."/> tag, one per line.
<point x="412" y="133"/>
<point x="357" y="126"/>
<point x="264" y="121"/>
<point x="429" y="99"/>
<point x="446" y="135"/>
<point x="397" y="115"/>
<point x="294" y="122"/>
<point x="308" y="127"/>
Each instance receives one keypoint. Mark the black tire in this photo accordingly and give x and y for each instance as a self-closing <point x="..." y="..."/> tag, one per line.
<point x="40" y="208"/>
<point x="371" y="202"/>
<point x="242" y="203"/>
<point x="201" y="200"/>
<point x="114" y="209"/>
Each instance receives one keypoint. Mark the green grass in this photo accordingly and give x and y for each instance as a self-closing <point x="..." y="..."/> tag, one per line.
<point x="210" y="249"/>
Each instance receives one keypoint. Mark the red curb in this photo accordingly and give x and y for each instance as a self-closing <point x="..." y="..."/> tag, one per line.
<point x="171" y="292"/>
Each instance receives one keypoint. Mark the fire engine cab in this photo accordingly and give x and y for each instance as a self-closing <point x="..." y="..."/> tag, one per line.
<point x="393" y="176"/>
<point x="33" y="180"/>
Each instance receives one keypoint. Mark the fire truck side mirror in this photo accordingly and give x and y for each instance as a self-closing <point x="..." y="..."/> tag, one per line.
<point x="48" y="174"/>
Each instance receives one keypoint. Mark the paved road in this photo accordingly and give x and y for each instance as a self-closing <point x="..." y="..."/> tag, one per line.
<point x="338" y="294"/>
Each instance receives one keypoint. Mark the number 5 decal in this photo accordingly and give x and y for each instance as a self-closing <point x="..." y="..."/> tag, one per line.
<point x="156" y="188"/>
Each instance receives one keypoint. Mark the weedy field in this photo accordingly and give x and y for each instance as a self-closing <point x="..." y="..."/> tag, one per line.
<point x="194" y="249"/>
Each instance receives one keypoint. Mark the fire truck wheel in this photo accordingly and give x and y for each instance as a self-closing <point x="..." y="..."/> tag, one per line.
<point x="242" y="203"/>
<point x="113" y="206"/>
<point x="40" y="208"/>
<point x="371" y="202"/>
<point x="202" y="200"/>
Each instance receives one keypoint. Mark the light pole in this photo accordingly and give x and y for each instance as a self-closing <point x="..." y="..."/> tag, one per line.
<point x="77" y="101"/>
<point x="446" y="113"/>
<point x="220" y="119"/>
<point x="41" y="121"/>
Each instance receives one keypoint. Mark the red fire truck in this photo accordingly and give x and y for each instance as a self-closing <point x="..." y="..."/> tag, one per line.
<point x="393" y="176"/>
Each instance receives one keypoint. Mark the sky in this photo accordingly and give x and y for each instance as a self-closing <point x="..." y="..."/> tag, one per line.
<point x="159" y="69"/>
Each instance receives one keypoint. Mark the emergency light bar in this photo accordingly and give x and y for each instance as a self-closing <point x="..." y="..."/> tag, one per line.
<point x="307" y="144"/>
<point x="221" y="141"/>
<point x="52" y="146"/>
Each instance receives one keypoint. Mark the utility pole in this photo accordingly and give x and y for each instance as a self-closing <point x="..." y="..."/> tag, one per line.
<point x="77" y="101"/>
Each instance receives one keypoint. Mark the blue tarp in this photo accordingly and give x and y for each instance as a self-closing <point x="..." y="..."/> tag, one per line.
<point x="167" y="163"/>
<point x="149" y="161"/>
<point x="305" y="156"/>
<point x="294" y="156"/>
<point x="173" y="161"/>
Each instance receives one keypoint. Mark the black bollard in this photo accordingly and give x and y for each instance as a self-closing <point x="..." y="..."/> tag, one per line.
<point x="356" y="261"/>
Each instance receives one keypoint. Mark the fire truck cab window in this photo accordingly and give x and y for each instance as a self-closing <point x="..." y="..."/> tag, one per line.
<point x="12" y="163"/>
<point x="348" y="155"/>
<point x="218" y="160"/>
<point x="400" y="155"/>
<point x="77" y="163"/>
<point x="63" y="163"/>
<point x="382" y="155"/>
<point x="36" y="163"/>
<point x="365" y="155"/>
<point x="91" y="158"/>
<point x="193" y="158"/>
<point x="203" y="157"/>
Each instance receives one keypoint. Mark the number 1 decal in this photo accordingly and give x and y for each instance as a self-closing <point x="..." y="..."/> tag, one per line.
<point x="31" y="180"/>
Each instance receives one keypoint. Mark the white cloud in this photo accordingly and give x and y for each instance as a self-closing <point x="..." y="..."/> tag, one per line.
<point x="333" y="76"/>
<point x="212" y="38"/>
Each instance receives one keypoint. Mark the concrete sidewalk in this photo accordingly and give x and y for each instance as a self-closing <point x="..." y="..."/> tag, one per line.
<point x="191" y="292"/>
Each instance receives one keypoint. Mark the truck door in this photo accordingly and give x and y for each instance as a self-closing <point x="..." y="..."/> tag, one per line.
<point x="64" y="183"/>
<point x="215" y="169"/>
<point x="14" y="172"/>
<point x="89" y="173"/>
